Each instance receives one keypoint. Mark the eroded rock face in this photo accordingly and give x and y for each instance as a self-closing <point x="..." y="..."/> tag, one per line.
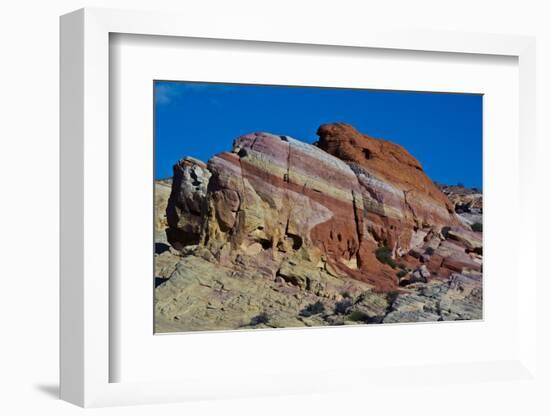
<point x="203" y="295"/>
<point x="337" y="202"/>
<point x="186" y="207"/>
<point x="401" y="203"/>
<point x="348" y="223"/>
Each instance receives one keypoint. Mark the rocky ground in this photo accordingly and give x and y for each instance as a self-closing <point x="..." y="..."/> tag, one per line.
<point x="279" y="233"/>
<point x="163" y="188"/>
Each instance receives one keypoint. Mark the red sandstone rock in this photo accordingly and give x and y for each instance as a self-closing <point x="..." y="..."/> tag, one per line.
<point x="400" y="197"/>
<point x="331" y="205"/>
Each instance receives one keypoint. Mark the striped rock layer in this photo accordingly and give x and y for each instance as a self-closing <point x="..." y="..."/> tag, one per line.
<point x="332" y="204"/>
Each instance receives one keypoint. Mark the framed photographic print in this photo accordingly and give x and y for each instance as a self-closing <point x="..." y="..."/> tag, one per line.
<point x="262" y="230"/>
<point x="277" y="213"/>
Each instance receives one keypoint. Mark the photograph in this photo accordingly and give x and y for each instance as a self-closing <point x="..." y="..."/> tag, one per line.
<point x="218" y="208"/>
<point x="298" y="206"/>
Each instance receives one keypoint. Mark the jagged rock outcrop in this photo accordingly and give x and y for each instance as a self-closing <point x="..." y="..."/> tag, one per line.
<point x="186" y="208"/>
<point x="468" y="204"/>
<point x="348" y="222"/>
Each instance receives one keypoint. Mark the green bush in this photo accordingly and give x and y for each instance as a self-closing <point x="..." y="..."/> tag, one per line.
<point x="445" y="231"/>
<point x="401" y="273"/>
<point x="477" y="227"/>
<point x="313" y="309"/>
<point x="383" y="254"/>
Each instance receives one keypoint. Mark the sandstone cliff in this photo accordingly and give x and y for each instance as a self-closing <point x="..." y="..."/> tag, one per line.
<point x="279" y="225"/>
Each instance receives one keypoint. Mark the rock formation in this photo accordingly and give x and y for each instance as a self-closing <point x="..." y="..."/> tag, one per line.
<point x="185" y="206"/>
<point x="281" y="225"/>
<point x="467" y="203"/>
<point x="163" y="189"/>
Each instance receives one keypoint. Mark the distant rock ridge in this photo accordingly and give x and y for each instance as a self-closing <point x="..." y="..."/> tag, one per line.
<point x="351" y="205"/>
<point x="467" y="203"/>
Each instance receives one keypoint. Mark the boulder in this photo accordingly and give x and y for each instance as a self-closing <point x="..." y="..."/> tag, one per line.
<point x="186" y="207"/>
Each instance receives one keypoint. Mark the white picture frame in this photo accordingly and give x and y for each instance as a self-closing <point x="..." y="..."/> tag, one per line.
<point x="86" y="356"/>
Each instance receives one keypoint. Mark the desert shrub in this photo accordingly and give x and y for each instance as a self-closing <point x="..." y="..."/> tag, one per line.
<point x="401" y="273"/>
<point x="358" y="316"/>
<point x="383" y="254"/>
<point x="445" y="231"/>
<point x="477" y="227"/>
<point x="262" y="318"/>
<point x="429" y="251"/>
<point x="345" y="294"/>
<point x="313" y="309"/>
<point x="343" y="307"/>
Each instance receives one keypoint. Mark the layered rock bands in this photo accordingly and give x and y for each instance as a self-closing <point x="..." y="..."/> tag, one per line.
<point x="350" y="206"/>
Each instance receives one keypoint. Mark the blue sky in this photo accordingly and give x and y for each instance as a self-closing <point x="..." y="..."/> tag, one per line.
<point x="443" y="131"/>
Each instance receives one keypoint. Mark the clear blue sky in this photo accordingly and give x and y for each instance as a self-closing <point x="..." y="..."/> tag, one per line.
<point x="443" y="131"/>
